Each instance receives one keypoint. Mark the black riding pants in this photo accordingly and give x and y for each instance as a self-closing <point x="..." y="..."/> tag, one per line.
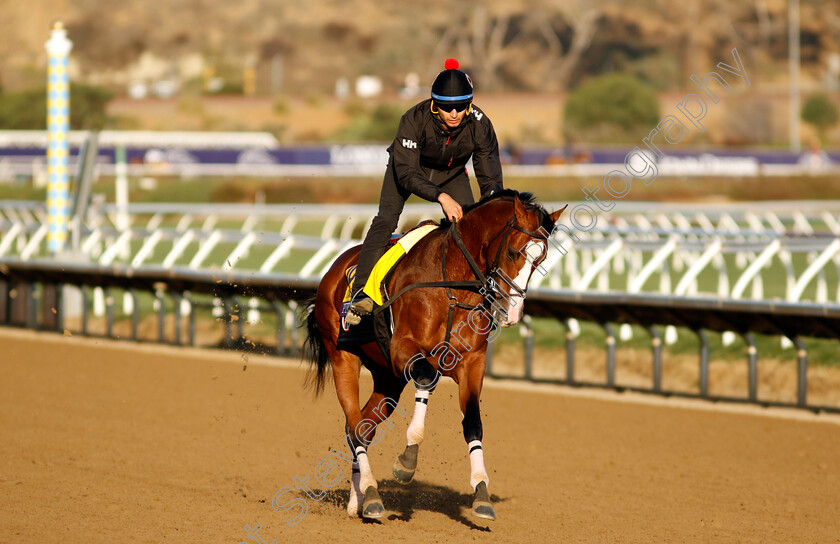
<point x="391" y="203"/>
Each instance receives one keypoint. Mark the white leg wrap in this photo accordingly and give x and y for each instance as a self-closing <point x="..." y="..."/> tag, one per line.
<point x="477" y="471"/>
<point x="354" y="506"/>
<point x="366" y="480"/>
<point x="414" y="434"/>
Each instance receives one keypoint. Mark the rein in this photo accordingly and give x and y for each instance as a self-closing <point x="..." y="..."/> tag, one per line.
<point x="483" y="284"/>
<point x="471" y="285"/>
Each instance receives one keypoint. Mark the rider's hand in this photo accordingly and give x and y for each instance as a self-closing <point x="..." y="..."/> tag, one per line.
<point x="451" y="209"/>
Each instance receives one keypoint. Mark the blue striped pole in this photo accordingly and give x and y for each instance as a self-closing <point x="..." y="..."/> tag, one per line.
<point x="58" y="127"/>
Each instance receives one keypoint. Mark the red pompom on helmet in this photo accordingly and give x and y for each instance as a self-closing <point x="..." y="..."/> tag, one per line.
<point x="452" y="88"/>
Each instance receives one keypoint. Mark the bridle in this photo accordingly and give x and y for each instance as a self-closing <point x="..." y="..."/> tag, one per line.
<point x="488" y="285"/>
<point x="504" y="233"/>
<point x="485" y="284"/>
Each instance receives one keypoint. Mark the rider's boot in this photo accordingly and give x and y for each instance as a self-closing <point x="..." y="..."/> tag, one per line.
<point x="360" y="306"/>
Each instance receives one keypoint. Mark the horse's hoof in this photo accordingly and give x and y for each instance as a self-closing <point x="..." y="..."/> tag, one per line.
<point x="372" y="507"/>
<point x="484" y="510"/>
<point x="406" y="464"/>
<point x="354" y="505"/>
<point x="482" y="507"/>
<point x="402" y="474"/>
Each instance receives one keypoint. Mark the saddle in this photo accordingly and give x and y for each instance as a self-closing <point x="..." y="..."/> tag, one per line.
<point x="378" y="326"/>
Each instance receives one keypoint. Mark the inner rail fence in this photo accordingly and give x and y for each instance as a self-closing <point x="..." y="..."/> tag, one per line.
<point x="174" y="304"/>
<point x="758" y="251"/>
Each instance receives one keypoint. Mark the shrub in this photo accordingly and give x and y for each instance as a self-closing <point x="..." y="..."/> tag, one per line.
<point x="819" y="112"/>
<point x="380" y="125"/>
<point x="611" y="107"/>
<point x="27" y="110"/>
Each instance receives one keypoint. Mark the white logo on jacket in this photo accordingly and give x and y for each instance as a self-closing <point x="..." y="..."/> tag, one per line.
<point x="409" y="144"/>
<point x="478" y="114"/>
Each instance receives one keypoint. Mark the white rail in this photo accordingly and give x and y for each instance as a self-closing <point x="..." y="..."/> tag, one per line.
<point x="773" y="250"/>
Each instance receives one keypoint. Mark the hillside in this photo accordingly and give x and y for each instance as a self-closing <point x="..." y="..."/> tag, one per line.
<point x="302" y="48"/>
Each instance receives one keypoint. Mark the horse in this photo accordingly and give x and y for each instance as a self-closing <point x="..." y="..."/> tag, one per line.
<point x="452" y="290"/>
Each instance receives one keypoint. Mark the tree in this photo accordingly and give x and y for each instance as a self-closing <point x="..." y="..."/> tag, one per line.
<point x="488" y="42"/>
<point x="480" y="41"/>
<point x="611" y="107"/>
<point x="379" y="125"/>
<point x="582" y="17"/>
<point x="821" y="113"/>
<point x="27" y="110"/>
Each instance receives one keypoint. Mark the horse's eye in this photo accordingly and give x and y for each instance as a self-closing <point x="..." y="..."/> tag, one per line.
<point x="512" y="255"/>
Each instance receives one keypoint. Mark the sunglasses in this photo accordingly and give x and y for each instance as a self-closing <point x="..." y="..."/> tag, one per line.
<point x="449" y="106"/>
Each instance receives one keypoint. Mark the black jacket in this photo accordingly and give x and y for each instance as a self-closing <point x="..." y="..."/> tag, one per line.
<point x="425" y="155"/>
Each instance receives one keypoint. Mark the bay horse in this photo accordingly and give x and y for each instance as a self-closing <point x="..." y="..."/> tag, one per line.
<point x="451" y="291"/>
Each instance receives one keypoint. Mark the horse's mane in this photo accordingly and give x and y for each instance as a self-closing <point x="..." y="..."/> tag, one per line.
<point x="527" y="199"/>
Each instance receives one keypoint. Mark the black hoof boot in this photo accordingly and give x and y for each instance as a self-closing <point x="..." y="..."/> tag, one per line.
<point x="372" y="508"/>
<point x="482" y="507"/>
<point x="406" y="464"/>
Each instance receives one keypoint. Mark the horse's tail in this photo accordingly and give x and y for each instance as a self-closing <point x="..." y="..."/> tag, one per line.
<point x="315" y="350"/>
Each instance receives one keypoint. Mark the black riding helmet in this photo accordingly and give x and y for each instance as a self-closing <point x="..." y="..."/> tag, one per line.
<point x="452" y="88"/>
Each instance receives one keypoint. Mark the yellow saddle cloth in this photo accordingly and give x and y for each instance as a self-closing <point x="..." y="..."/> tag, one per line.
<point x="386" y="263"/>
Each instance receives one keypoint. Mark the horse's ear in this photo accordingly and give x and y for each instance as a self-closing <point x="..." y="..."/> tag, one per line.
<point x="556" y="215"/>
<point x="519" y="208"/>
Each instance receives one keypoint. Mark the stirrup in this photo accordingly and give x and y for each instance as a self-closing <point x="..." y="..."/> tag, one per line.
<point x="363" y="306"/>
<point x="359" y="308"/>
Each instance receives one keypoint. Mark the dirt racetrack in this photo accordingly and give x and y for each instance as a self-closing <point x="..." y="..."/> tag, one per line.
<point x="118" y="442"/>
